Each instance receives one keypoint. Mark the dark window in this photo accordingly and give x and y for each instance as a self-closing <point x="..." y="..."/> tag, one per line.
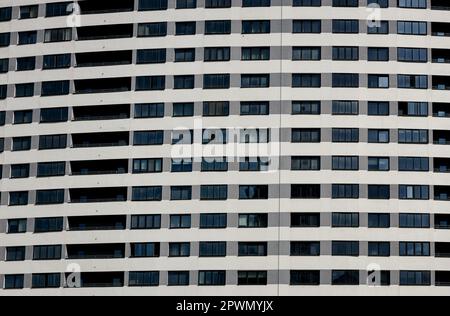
<point x="345" y="248"/>
<point x="216" y="54"/>
<point x="52" y="142"/>
<point x="255" y="108"/>
<point x="345" y="135"/>
<point x="379" y="192"/>
<point x="305" y="248"/>
<point x="181" y="193"/>
<point x="305" y="220"/>
<point x="216" y="108"/>
<point x="305" y="135"/>
<point x="178" y="278"/>
<point x="48" y="280"/>
<point x="413" y="164"/>
<point x="378" y="136"/>
<point x="20" y="171"/>
<point x="152" y="110"/>
<point x="27" y="38"/>
<point x="211" y="278"/>
<point x="381" y="3"/>
<point x="345" y="163"/>
<point x="306" y="81"/>
<point x="378" y="108"/>
<point x="5" y="39"/>
<point x="147" y="193"/>
<point x="255" y="27"/>
<point x="345" y="26"/>
<point x="252" y="277"/>
<point x="255" y="53"/>
<point x="345" y="80"/>
<point x="414" y="4"/>
<point x="407" y="136"/>
<point x="52" y="252"/>
<point x="150" y="83"/>
<point x="305" y="191"/>
<point x="417" y="55"/>
<point x="253" y="220"/>
<point x="148" y="138"/>
<point x="305" y="163"/>
<point x="378" y="81"/>
<point x="253" y="192"/>
<point x="307" y="3"/>
<point x="252" y="249"/>
<point x="146" y="222"/>
<point x="5" y="14"/>
<point x="345" y="3"/>
<point x="214" y="165"/>
<point x="219" y="81"/>
<point x="4" y="65"/>
<point x="414" y="249"/>
<point x="345" y="107"/>
<point x="157" y="29"/>
<point x="414" y="192"/>
<point x="180" y="221"/>
<point x="14" y="281"/>
<point x="140" y="279"/>
<point x="345" y="53"/>
<point x="184" y="55"/>
<point x="217" y="4"/>
<point x="51" y="169"/>
<point x="17" y="226"/>
<point x="379" y="249"/>
<point x="58" y="35"/>
<point x="413" y="109"/>
<point x="57" y="9"/>
<point x="412" y="81"/>
<point x="345" y="191"/>
<point x="23" y="117"/>
<point x="151" y="56"/>
<point x="255" y="3"/>
<point x="304" y="277"/>
<point x="46" y="197"/>
<point x="15" y="253"/>
<point x="415" y="278"/>
<point x="306" y="53"/>
<point x="150" y="165"/>
<point x="305" y="107"/>
<point x="144" y="250"/>
<point x="307" y="26"/>
<point x="185" y="28"/>
<point x="213" y="249"/>
<point x="380" y="27"/>
<point x="379" y="221"/>
<point x="255" y="81"/>
<point x="54" y="88"/>
<point x="54" y="115"/>
<point x="378" y="54"/>
<point x="213" y="221"/>
<point x="26" y="63"/>
<point x="21" y="143"/>
<point x="57" y="61"/>
<point x="186" y="4"/>
<point x="47" y="225"/>
<point x="179" y="249"/>
<point x="378" y="164"/>
<point x="24" y="90"/>
<point x="414" y="221"/>
<point x="217" y="27"/>
<point x="147" y="5"/>
<point x="184" y="82"/>
<point x="345" y="220"/>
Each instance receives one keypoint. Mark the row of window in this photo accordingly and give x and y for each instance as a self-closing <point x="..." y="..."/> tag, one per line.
<point x="63" y="8"/>
<point x="256" y="220"/>
<point x="219" y="278"/>
<point x="220" y="193"/>
<point x="219" y="249"/>
<point x="222" y="108"/>
<point x="221" y="54"/>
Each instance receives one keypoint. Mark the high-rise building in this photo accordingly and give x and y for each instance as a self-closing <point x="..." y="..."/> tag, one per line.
<point x="225" y="147"/>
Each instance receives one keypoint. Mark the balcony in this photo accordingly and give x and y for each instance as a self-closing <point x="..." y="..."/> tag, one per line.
<point x="99" y="59"/>
<point x="441" y="137"/>
<point x="442" y="165"/>
<point x="440" y="29"/>
<point x="441" y="83"/>
<point x="101" y="112"/>
<point x="442" y="221"/>
<point x="99" y="7"/>
<point x="98" y="195"/>
<point x="91" y="33"/>
<point x="442" y="250"/>
<point x="97" y="251"/>
<point x="442" y="278"/>
<point x="441" y="56"/>
<point x="92" y="223"/>
<point x="108" y="85"/>
<point x="89" y="140"/>
<point x="441" y="110"/>
<point x="101" y="279"/>
<point x="99" y="167"/>
<point x="440" y="5"/>
<point x="442" y="193"/>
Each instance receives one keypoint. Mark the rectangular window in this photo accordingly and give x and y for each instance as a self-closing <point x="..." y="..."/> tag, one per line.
<point x="216" y="108"/>
<point x="413" y="164"/>
<point x="47" y="197"/>
<point x="345" y="248"/>
<point x="253" y="220"/>
<point x="381" y="28"/>
<point x="378" y="81"/>
<point x="184" y="55"/>
<point x="345" y="3"/>
<point x="216" y="81"/>
<point x="348" y="220"/>
<point x="54" y="115"/>
<point x="141" y="279"/>
<point x="415" y="278"/>
<point x="378" y="54"/>
<point x="217" y="27"/>
<point x="377" y="136"/>
<point x="157" y="29"/>
<point x="377" y="220"/>
<point x="179" y="249"/>
<point x="186" y="4"/>
<point x="413" y="4"/>
<point x="20" y="171"/>
<point x="254" y="164"/>
<point x="45" y="281"/>
<point x="305" y="163"/>
<point x="306" y="53"/>
<point x="306" y="107"/>
<point x="150" y="83"/>
<point x="185" y="28"/>
<point x="181" y="193"/>
<point x="214" y="164"/>
<point x="151" y="56"/>
<point x="411" y="28"/>
<point x="305" y="191"/>
<point x="4" y="65"/>
<point x="15" y="254"/>
<point x="145" y="250"/>
<point x="17" y="226"/>
<point x="306" y="80"/>
<point x="57" y="9"/>
<point x="57" y="61"/>
<point x="52" y="252"/>
<point x="255" y="136"/>
<point x="378" y="164"/>
<point x="26" y="63"/>
<point x="379" y="249"/>
<point x="379" y="192"/>
<point x="345" y="191"/>
<point x="58" y="35"/>
<point x="255" y="27"/>
<point x="416" y="55"/>
<point x="408" y="136"/>
<point x="5" y="39"/>
<point x="24" y="90"/>
<point x="305" y="248"/>
<point x="253" y="192"/>
<point x="211" y="4"/>
<point x="148" y="5"/>
<point x="414" y="220"/>
<point x="147" y="193"/>
<point x="55" y="88"/>
<point x="213" y="221"/>
<point x="178" y="278"/>
<point x="211" y="278"/>
<point x="180" y="221"/>
<point x="47" y="225"/>
<point x="213" y="249"/>
<point x="255" y="53"/>
<point x="252" y="277"/>
<point x="412" y="81"/>
<point x="414" y="192"/>
<point x="21" y="143"/>
<point x="345" y="26"/>
<point x="255" y="108"/>
<point x="307" y="26"/>
<point x="184" y="82"/>
<point x="304" y="277"/>
<point x="14" y="281"/>
<point x="5" y="14"/>
<point x="414" y="249"/>
<point x="52" y="142"/>
<point x="345" y="135"/>
<point x="213" y="192"/>
<point x="347" y="163"/>
<point x="305" y="220"/>
<point x="252" y="249"/>
<point x="152" y="110"/>
<point x="255" y="81"/>
<point x="345" y="107"/>
<point x="146" y="222"/>
<point x="255" y="3"/>
<point x="148" y="138"/>
<point x="27" y="38"/>
<point x="23" y="117"/>
<point x="413" y="109"/>
<point x="216" y="54"/>
<point x="345" y="53"/>
<point x="340" y="80"/>
<point x="150" y="165"/>
<point x="307" y="3"/>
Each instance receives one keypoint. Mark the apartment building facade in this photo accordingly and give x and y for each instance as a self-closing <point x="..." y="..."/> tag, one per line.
<point x="225" y="147"/>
